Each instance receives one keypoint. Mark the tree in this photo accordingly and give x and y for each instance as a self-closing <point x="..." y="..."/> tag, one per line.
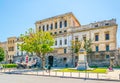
<point x="87" y="45"/>
<point x="2" y="54"/>
<point x="76" y="45"/>
<point x="37" y="42"/>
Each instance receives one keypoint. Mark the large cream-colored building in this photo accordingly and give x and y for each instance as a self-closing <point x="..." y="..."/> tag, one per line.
<point x="67" y="28"/>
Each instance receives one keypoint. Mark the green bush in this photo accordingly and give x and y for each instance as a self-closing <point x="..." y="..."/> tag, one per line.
<point x="116" y="67"/>
<point x="93" y="66"/>
<point x="9" y="65"/>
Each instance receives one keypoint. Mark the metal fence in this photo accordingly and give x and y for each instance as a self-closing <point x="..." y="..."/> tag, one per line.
<point x="54" y="73"/>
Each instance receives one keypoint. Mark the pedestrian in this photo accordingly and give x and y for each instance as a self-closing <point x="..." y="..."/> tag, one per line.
<point x="46" y="68"/>
<point x="49" y="68"/>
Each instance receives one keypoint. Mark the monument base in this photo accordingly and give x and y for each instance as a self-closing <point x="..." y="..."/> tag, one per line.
<point x="82" y="62"/>
<point x="82" y="65"/>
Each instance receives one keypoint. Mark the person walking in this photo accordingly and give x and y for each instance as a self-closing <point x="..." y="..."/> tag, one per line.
<point x="49" y="68"/>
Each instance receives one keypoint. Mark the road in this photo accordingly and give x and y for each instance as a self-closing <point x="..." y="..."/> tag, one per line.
<point x="11" y="78"/>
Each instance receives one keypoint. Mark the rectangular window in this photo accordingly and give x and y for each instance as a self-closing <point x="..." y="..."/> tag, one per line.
<point x="56" y="42"/>
<point x="96" y="25"/>
<point x="55" y="33"/>
<point x="106" y="24"/>
<point x="65" y="41"/>
<point x="56" y="25"/>
<point x="21" y="53"/>
<point x="76" y="38"/>
<point x="43" y="28"/>
<point x="65" y="31"/>
<point x="60" y="42"/>
<point x="96" y="37"/>
<point x="60" y="24"/>
<point x="51" y="26"/>
<point x="47" y="27"/>
<point x="39" y="28"/>
<point x="97" y="48"/>
<point x="18" y="47"/>
<point x="84" y="38"/>
<point x="51" y="33"/>
<point x="96" y="56"/>
<point x="60" y="31"/>
<point x="107" y="36"/>
<point x="107" y="48"/>
<point x="65" y="23"/>
<point x="12" y="48"/>
<point x="17" y="53"/>
<point x="107" y="56"/>
<point x="65" y="50"/>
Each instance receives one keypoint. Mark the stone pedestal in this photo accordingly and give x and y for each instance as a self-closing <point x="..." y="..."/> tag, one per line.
<point x="82" y="61"/>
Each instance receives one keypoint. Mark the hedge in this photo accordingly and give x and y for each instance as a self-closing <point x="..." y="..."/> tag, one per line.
<point x="9" y="65"/>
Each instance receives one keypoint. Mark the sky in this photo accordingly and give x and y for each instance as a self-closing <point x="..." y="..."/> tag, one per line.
<point x="17" y="16"/>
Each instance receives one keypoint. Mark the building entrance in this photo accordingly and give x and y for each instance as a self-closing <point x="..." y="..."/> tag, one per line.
<point x="50" y="60"/>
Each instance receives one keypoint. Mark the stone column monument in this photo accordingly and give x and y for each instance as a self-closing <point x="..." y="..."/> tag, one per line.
<point x="82" y="59"/>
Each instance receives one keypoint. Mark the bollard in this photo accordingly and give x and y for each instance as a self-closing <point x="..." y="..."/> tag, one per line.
<point x="70" y="74"/>
<point x="56" y="73"/>
<point x="85" y="75"/>
<point x="97" y="75"/>
<point x="9" y="70"/>
<point x="88" y="74"/>
<point x="119" y="76"/>
<point x="49" y="73"/>
<point x="63" y="74"/>
<point x="37" y="72"/>
<point x="79" y="74"/>
<point x="4" y="70"/>
<point x="43" y="72"/>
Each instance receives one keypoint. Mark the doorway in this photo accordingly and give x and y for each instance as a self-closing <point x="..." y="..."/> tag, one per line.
<point x="50" y="60"/>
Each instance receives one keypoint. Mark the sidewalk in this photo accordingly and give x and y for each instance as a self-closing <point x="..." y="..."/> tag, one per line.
<point x="114" y="75"/>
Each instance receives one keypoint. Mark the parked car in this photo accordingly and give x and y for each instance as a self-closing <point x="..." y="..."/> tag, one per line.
<point x="34" y="65"/>
<point x="21" y="65"/>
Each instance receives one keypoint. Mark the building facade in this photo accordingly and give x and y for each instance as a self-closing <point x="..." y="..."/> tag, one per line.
<point x="60" y="27"/>
<point x="11" y="48"/>
<point x="66" y="28"/>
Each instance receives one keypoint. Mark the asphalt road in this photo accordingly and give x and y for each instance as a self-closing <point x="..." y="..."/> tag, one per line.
<point x="11" y="78"/>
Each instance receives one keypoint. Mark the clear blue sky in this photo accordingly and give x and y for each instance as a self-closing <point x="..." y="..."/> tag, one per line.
<point x="16" y="16"/>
